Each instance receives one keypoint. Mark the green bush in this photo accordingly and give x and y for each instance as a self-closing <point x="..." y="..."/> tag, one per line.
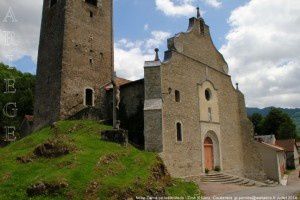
<point x="217" y="169"/>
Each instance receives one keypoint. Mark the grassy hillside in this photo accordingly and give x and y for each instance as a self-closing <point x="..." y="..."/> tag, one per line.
<point x="293" y="113"/>
<point x="86" y="167"/>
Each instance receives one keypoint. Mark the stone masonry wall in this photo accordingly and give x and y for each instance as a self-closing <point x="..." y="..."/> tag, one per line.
<point x="87" y="55"/>
<point x="252" y="154"/>
<point x="131" y="112"/>
<point x="48" y="83"/>
<point x="153" y="107"/>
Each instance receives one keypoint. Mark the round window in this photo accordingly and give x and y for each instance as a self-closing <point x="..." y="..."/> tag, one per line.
<point x="207" y="94"/>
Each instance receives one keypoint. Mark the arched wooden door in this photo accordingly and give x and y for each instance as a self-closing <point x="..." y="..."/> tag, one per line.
<point x="209" y="153"/>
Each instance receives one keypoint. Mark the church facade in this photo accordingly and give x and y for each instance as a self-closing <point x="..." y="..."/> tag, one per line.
<point x="193" y="115"/>
<point x="186" y="108"/>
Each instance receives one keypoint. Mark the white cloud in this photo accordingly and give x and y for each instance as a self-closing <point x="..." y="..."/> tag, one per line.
<point x="176" y="7"/>
<point x="146" y="27"/>
<point x="26" y="29"/>
<point x="263" y="52"/>
<point x="130" y="56"/>
<point x="214" y="3"/>
<point x="183" y="7"/>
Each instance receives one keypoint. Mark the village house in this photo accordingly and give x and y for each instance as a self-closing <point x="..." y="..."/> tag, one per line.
<point x="291" y="151"/>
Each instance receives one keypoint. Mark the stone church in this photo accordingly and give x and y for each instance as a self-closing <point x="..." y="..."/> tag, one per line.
<point x="185" y="108"/>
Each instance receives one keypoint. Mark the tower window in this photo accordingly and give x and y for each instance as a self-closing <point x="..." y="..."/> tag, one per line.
<point x="92" y="2"/>
<point x="91" y="61"/>
<point x="177" y="96"/>
<point x="209" y="114"/>
<point x="179" y="132"/>
<point x="208" y="94"/>
<point x="91" y="14"/>
<point x="52" y="3"/>
<point x="89" y="97"/>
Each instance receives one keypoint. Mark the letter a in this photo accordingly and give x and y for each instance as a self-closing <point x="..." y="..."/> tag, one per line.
<point x="10" y="15"/>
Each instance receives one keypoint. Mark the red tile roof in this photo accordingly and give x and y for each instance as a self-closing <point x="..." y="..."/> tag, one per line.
<point x="275" y="147"/>
<point x="288" y="145"/>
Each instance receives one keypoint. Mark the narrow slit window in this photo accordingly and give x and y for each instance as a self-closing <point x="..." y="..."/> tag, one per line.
<point x="92" y="2"/>
<point x="177" y="96"/>
<point x="179" y="132"/>
<point x="209" y="114"/>
<point x="91" y="14"/>
<point x="89" y="97"/>
<point x="52" y="3"/>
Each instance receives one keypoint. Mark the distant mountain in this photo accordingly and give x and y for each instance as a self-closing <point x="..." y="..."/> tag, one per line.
<point x="294" y="113"/>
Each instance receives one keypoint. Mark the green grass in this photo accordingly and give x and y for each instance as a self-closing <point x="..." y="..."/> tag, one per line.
<point x="129" y="171"/>
<point x="183" y="189"/>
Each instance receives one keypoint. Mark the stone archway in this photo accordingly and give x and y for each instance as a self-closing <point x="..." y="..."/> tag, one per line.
<point x="211" y="153"/>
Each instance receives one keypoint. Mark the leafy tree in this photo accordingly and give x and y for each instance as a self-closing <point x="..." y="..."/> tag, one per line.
<point x="287" y="129"/>
<point x="279" y="124"/>
<point x="24" y="96"/>
<point x="257" y="120"/>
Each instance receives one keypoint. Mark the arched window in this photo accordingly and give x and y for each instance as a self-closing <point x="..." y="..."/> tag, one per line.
<point x="208" y="95"/>
<point x="179" y="132"/>
<point x="177" y="96"/>
<point x="89" y="97"/>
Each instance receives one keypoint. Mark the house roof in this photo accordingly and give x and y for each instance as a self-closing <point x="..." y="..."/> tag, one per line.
<point x="274" y="147"/>
<point x="288" y="145"/>
<point x="29" y="118"/>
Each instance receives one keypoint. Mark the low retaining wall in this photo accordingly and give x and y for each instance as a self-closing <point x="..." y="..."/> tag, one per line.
<point x="117" y="136"/>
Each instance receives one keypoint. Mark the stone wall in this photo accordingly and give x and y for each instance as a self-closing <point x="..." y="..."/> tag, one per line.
<point x="153" y="107"/>
<point x="49" y="65"/>
<point x="131" y="112"/>
<point x="253" y="160"/>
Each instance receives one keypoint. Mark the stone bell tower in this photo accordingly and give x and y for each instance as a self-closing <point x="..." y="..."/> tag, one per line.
<point x="75" y="57"/>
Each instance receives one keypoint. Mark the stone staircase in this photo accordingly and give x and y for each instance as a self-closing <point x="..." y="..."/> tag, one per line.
<point x="217" y="177"/>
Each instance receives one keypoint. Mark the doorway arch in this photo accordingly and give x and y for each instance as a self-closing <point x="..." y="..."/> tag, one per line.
<point x="211" y="153"/>
<point x="89" y="97"/>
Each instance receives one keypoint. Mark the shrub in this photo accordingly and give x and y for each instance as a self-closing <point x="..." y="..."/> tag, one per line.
<point x="217" y="169"/>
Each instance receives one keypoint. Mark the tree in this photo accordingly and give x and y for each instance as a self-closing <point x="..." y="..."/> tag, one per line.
<point x="279" y="124"/>
<point x="257" y="120"/>
<point x="24" y="96"/>
<point x="287" y="130"/>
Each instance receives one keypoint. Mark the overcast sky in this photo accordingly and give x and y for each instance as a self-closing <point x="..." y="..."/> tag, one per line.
<point x="260" y="40"/>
